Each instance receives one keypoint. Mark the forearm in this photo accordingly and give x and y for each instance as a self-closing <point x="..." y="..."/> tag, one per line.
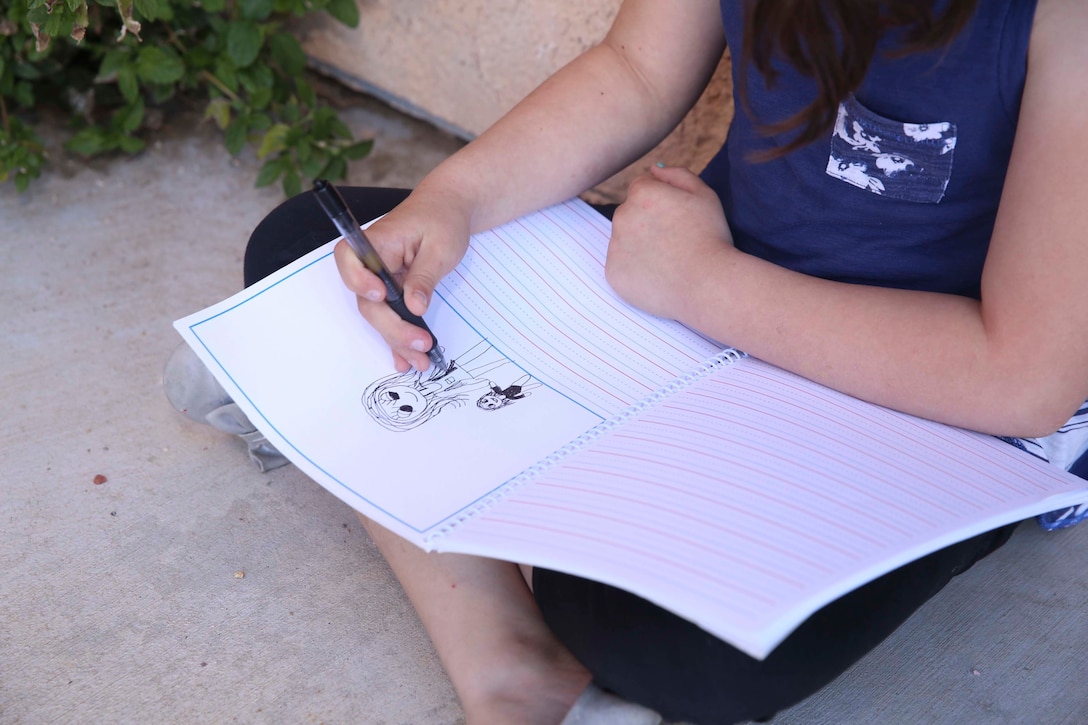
<point x="562" y="139"/>
<point x="595" y="116"/>
<point x="932" y="355"/>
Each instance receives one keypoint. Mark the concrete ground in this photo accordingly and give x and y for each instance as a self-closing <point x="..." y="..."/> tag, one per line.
<point x="190" y="588"/>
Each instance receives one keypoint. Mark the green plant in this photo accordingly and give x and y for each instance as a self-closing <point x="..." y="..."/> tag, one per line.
<point x="113" y="63"/>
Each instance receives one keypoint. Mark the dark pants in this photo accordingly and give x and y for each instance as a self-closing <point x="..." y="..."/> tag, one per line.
<point x="633" y="647"/>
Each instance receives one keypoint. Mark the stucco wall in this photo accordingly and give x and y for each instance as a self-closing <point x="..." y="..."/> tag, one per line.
<point x="461" y="64"/>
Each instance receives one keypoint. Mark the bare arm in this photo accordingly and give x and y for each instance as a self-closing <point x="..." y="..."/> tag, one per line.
<point x="600" y="112"/>
<point x="1014" y="363"/>
<point x="594" y="116"/>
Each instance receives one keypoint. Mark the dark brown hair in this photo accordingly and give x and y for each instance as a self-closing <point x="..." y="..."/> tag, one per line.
<point x="833" y="42"/>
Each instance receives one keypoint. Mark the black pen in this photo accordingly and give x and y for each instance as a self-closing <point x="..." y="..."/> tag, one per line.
<point x="333" y="204"/>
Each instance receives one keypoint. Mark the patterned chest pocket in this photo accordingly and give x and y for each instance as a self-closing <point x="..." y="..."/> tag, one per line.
<point x="907" y="161"/>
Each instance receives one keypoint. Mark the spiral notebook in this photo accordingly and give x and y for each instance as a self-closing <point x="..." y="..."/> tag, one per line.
<point x="575" y="432"/>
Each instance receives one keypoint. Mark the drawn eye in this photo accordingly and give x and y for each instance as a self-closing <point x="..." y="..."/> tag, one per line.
<point x="405" y="409"/>
<point x="393" y="395"/>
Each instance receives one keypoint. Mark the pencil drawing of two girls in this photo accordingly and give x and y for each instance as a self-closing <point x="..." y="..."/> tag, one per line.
<point x="403" y="401"/>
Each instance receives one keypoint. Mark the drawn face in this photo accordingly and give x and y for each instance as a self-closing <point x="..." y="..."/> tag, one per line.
<point x="490" y="401"/>
<point x="401" y="403"/>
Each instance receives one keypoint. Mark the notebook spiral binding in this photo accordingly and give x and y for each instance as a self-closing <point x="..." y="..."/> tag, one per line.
<point x="726" y="357"/>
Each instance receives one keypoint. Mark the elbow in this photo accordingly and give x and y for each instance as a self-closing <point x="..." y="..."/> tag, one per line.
<point x="1037" y="411"/>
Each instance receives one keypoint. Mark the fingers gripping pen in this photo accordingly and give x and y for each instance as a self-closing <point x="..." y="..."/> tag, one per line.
<point x="333" y="204"/>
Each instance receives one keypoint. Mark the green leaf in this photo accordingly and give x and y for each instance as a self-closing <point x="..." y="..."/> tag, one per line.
<point x="346" y="11"/>
<point x="292" y="184"/>
<point x="131" y="144"/>
<point x="214" y="6"/>
<point x="160" y="93"/>
<point x="38" y="14"/>
<point x="111" y="63"/>
<point x="256" y="76"/>
<point x="287" y="53"/>
<point x="296" y="136"/>
<point x="274" y="140"/>
<point x="260" y="99"/>
<point x="24" y="94"/>
<point x="88" y="142"/>
<point x="338" y="128"/>
<point x="235" y="139"/>
<point x="259" y="122"/>
<point x="358" y="150"/>
<point x="227" y="73"/>
<point x="243" y="42"/>
<point x="314" y="165"/>
<point x="269" y="172"/>
<point x="150" y="9"/>
<point x="127" y="83"/>
<point x="306" y="94"/>
<point x="57" y="24"/>
<point x="199" y="58"/>
<point x="337" y="168"/>
<point x="218" y="110"/>
<point x="128" y="118"/>
<point x="256" y="9"/>
<point x="323" y="116"/>
<point x="290" y="112"/>
<point x="288" y="6"/>
<point x="28" y="71"/>
<point x="156" y="64"/>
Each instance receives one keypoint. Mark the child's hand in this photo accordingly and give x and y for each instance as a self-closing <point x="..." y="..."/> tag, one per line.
<point x="667" y="237"/>
<point x="420" y="242"/>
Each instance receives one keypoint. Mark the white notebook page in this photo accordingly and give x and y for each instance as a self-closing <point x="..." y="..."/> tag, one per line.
<point x="753" y="497"/>
<point x="537" y="284"/>
<point x="293" y="351"/>
<point x="744" y="502"/>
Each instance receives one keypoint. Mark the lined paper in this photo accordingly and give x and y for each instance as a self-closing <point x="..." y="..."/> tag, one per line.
<point x="538" y="285"/>
<point x="754" y="497"/>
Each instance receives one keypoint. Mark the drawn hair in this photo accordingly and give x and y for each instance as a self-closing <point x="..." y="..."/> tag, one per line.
<point x="501" y="399"/>
<point x="434" y="404"/>
<point x="833" y="42"/>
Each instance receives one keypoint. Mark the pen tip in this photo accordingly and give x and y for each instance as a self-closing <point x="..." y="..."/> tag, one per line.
<point x="436" y="357"/>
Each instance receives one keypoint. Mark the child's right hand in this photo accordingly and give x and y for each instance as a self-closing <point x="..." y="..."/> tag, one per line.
<point x="420" y="242"/>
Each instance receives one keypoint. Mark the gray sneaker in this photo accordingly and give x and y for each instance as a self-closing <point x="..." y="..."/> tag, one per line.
<point x="195" y="393"/>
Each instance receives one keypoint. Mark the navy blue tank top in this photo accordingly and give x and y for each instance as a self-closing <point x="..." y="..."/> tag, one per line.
<point x="903" y="192"/>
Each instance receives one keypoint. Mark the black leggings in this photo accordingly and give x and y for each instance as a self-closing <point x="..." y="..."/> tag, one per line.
<point x="635" y="648"/>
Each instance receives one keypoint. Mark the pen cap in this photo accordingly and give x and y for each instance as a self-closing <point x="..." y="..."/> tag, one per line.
<point x="328" y="196"/>
<point x="334" y="206"/>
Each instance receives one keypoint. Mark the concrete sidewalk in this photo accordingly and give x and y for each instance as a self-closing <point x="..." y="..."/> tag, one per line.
<point x="189" y="588"/>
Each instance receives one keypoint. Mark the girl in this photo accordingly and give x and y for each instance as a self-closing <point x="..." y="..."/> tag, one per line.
<point x="405" y="400"/>
<point x="898" y="213"/>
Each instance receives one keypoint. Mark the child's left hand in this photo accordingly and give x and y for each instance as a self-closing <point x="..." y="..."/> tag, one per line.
<point x="667" y="238"/>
